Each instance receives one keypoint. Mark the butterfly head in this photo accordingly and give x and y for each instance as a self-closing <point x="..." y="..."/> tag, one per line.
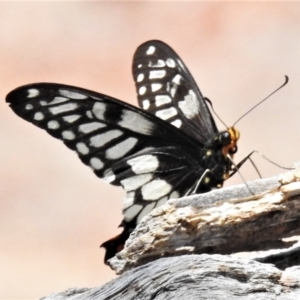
<point x="228" y="140"/>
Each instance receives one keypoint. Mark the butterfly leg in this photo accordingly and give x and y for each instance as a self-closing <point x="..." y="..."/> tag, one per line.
<point x="236" y="167"/>
<point x="195" y="187"/>
<point x="248" y="157"/>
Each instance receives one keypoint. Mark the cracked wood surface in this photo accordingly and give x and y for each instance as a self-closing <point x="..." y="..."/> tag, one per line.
<point x="163" y="257"/>
<point x="224" y="221"/>
<point x="204" y="277"/>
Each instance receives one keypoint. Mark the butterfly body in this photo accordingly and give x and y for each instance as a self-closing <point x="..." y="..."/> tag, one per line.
<point x="168" y="149"/>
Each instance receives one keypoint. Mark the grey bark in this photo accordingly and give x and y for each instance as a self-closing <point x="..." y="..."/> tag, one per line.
<point x="224" y="221"/>
<point x="191" y="277"/>
<point x="163" y="258"/>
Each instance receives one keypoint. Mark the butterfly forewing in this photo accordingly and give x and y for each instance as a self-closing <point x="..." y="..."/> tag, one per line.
<point x="166" y="88"/>
<point x="119" y="142"/>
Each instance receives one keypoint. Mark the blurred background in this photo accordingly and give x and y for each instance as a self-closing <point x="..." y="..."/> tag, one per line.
<point x="54" y="212"/>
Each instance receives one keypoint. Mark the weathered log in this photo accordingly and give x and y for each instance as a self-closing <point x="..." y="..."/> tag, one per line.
<point x="163" y="258"/>
<point x="230" y="220"/>
<point x="193" y="277"/>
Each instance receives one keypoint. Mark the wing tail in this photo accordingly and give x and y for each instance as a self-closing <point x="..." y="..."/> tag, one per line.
<point x="116" y="244"/>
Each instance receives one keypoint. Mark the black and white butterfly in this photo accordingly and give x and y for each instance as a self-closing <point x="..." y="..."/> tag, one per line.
<point x="170" y="149"/>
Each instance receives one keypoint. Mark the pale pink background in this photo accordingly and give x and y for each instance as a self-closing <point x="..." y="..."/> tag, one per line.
<point x="54" y="212"/>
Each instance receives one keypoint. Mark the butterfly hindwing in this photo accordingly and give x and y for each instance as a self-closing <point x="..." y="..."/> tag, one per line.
<point x="155" y="176"/>
<point x="166" y="88"/>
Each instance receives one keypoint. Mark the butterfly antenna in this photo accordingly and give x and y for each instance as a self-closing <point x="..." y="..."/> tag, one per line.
<point x="237" y="170"/>
<point x="259" y="103"/>
<point x="212" y="108"/>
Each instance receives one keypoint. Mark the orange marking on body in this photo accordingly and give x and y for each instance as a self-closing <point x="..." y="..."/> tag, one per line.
<point x="234" y="137"/>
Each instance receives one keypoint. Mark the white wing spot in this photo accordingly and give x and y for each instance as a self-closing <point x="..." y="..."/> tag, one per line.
<point x="129" y="200"/>
<point x="109" y="176"/>
<point x="139" y="66"/>
<point x="177" y="79"/>
<point x="177" y="123"/>
<point x="63" y="108"/>
<point x="189" y="106"/>
<point x="142" y="90"/>
<point x="101" y="139"/>
<point x="160" y="64"/>
<point x="82" y="148"/>
<point x="38" y="116"/>
<point x="43" y="102"/>
<point x="68" y="135"/>
<point x="143" y="164"/>
<point x="146" y="104"/>
<point x="162" y="201"/>
<point x="29" y="106"/>
<point x="57" y="100"/>
<point x="166" y="113"/>
<point x="33" y="93"/>
<point x="173" y="90"/>
<point x="96" y="163"/>
<point x="162" y="99"/>
<point x="135" y="122"/>
<point x="150" y="50"/>
<point x="157" y="74"/>
<point x="121" y="149"/>
<point x="53" y="124"/>
<point x="89" y="114"/>
<point x="140" y="77"/>
<point x="72" y="95"/>
<point x="134" y="182"/>
<point x="146" y="210"/>
<point x="71" y="118"/>
<point x="132" y="211"/>
<point x="155" y="189"/>
<point x="89" y="127"/>
<point x="171" y="63"/>
<point x="155" y="87"/>
<point x="99" y="110"/>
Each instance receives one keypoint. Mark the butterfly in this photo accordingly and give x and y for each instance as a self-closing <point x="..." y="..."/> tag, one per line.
<point x="168" y="149"/>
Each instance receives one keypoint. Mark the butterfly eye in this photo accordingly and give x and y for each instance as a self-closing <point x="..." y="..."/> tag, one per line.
<point x="225" y="138"/>
<point x="233" y="150"/>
